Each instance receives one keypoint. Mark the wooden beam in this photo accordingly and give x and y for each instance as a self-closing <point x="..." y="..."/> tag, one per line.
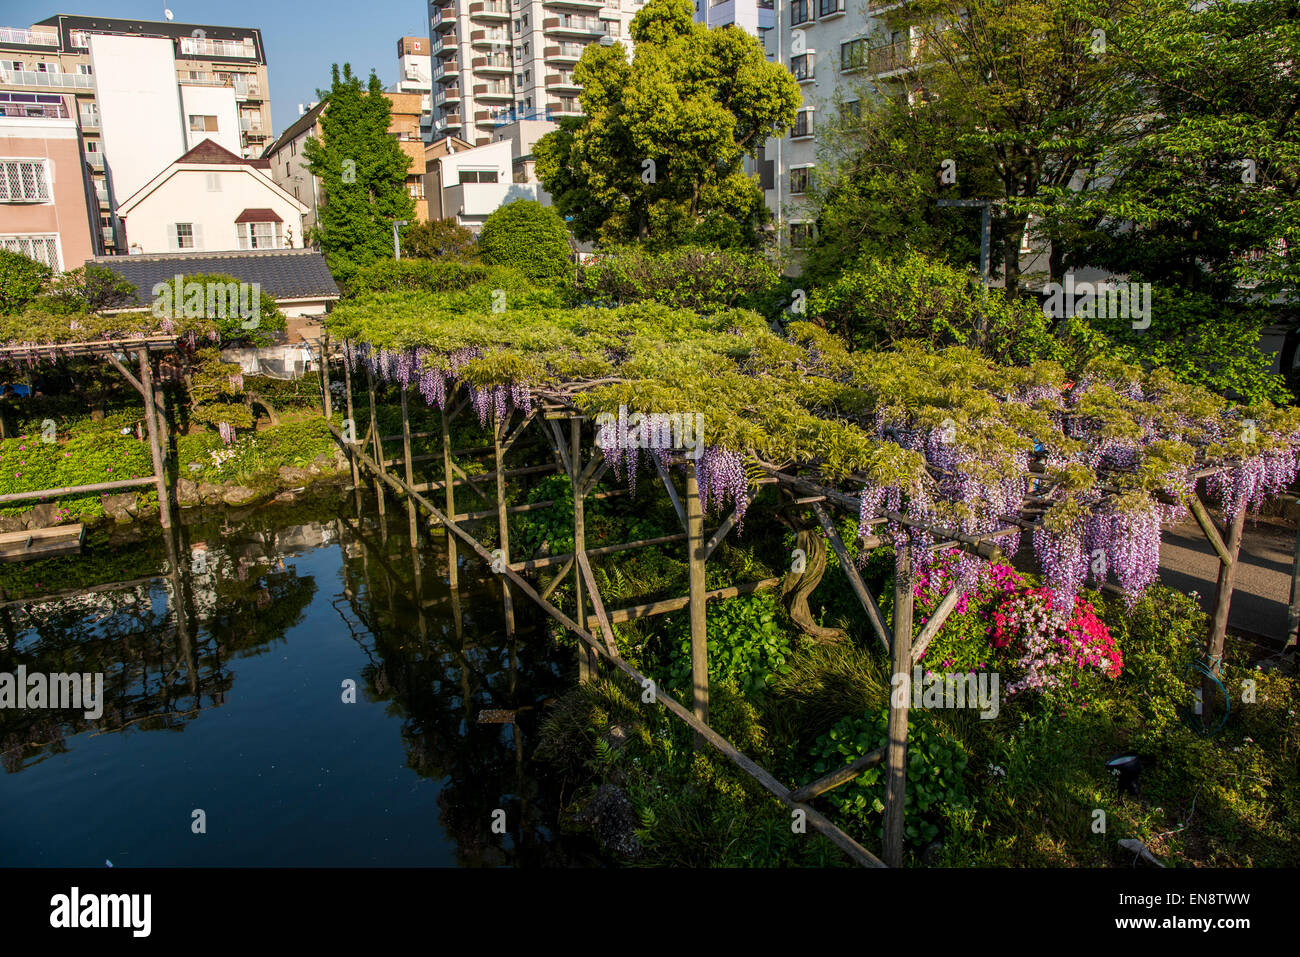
<point x="606" y="628"/>
<point x="666" y="605"/>
<point x="1202" y="515"/>
<point x="449" y="497"/>
<point x="935" y="621"/>
<point x="896" y="759"/>
<point x="839" y="776"/>
<point x="558" y="580"/>
<point x="859" y="587"/>
<point x="519" y="430"/>
<point x="79" y="489"/>
<point x="724" y="529"/>
<point x="672" y="491"/>
<point x="347" y="387"/>
<point x="551" y="560"/>
<point x="697" y="596"/>
<point x="1219" y="616"/>
<point x="499" y="428"/>
<point x="155" y="443"/>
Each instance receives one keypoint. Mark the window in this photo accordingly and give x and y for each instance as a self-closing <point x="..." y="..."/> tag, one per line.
<point x="478" y="176"/>
<point x="24" y="181"/>
<point x="184" y="235"/>
<point x="803" y="124"/>
<point x="829" y="8"/>
<point x="519" y="79"/>
<point x="214" y="182"/>
<point x="801" y="234"/>
<point x="85" y="69"/>
<point x="47" y="68"/>
<point x="853" y="109"/>
<point x="416" y="189"/>
<point x="800" y="12"/>
<point x="526" y="53"/>
<point x="518" y="25"/>
<point x="802" y="66"/>
<point x="44" y="249"/>
<point x="853" y="54"/>
<point x="800" y="179"/>
<point x="202" y="123"/>
<point x="259" y="235"/>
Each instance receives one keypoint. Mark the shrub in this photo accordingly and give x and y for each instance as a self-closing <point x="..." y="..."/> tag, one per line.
<point x="89" y="288"/>
<point x="529" y="236"/>
<point x="878" y="303"/>
<point x="438" y="239"/>
<point x="21" y="280"/>
<point x="691" y="277"/>
<point x="747" y="644"/>
<point x="391" y="275"/>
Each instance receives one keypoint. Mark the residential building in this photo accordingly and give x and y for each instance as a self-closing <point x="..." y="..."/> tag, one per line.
<point x="47" y="208"/>
<point x="468" y="184"/>
<point x="288" y="166"/>
<point x="144" y="90"/>
<point x="498" y="61"/>
<point x="755" y="17"/>
<point x="415" y="72"/>
<point x="210" y="200"/>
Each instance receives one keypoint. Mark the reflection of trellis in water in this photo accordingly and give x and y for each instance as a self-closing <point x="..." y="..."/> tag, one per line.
<point x="147" y="383"/>
<point x="553" y="413"/>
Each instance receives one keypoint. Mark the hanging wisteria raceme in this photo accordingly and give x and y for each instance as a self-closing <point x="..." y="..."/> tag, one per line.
<point x="1127" y="545"/>
<point x="1064" y="559"/>
<point x="1250" y="483"/>
<point x="722" y="480"/>
<point x="226" y="432"/>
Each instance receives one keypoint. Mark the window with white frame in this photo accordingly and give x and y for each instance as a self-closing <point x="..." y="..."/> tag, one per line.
<point x="44" y="249"/>
<point x="214" y="182"/>
<point x="24" y="181"/>
<point x="259" y="235"/>
<point x="802" y="66"/>
<point x="803" y="124"/>
<point x="184" y="235"/>
<point x="800" y="179"/>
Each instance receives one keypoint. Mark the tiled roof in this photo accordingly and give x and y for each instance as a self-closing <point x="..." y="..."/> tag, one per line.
<point x="209" y="152"/>
<point x="259" y="215"/>
<point x="283" y="273"/>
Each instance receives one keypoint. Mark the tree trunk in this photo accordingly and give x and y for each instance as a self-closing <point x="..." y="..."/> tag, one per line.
<point x="795" y="588"/>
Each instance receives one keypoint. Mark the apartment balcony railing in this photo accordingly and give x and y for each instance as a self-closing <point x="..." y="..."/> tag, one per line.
<point x="107" y="233"/>
<point x="90" y="121"/>
<point x="202" y="46"/>
<point x="571" y="26"/>
<point x="564" y="109"/>
<point x="38" y="38"/>
<point x="562" y="81"/>
<point x="564" y="53"/>
<point x="885" y="58"/>
<point x="101" y="193"/>
<point x="497" y="63"/>
<point x="488" y="38"/>
<point x="489" y="10"/>
<point x="448" y="94"/>
<point x="54" y="81"/>
<point x="451" y="119"/>
<point x="446" y="44"/>
<point x="440" y="20"/>
<point x="494" y="91"/>
<point x="880" y="6"/>
<point x="52" y="111"/>
<point x="490" y="117"/>
<point x="446" y="68"/>
<point x="96" y="160"/>
<point x="575" y="4"/>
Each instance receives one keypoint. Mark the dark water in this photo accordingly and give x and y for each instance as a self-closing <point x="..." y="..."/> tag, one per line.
<point x="224" y="675"/>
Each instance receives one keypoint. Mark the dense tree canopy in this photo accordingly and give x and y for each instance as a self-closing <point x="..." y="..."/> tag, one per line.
<point x="659" y="153"/>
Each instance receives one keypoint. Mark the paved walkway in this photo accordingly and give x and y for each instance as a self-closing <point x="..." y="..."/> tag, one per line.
<point x="1263" y="587"/>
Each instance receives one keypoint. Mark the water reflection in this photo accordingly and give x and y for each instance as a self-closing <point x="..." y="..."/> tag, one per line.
<point x="241" y="632"/>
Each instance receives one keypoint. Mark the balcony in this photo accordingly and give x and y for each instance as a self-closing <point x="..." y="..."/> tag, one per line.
<point x="880" y="6"/>
<point x="564" y="109"/>
<point x="443" y="20"/>
<point x="489" y="10"/>
<point x="492" y="117"/>
<point x="446" y="44"/>
<point x="96" y="160"/>
<point x="51" y="111"/>
<point x="201" y="46"/>
<point x="594" y="5"/>
<point x="589" y="27"/>
<point x="451" y="119"/>
<point x="445" y="69"/>
<point x="53" y="81"/>
<point x="101" y="193"/>
<point x="494" y="91"/>
<point x="562" y="81"/>
<point x="883" y="59"/>
<point x="107" y="233"/>
<point x="499" y="63"/>
<point x="36" y="38"/>
<point x="450" y="94"/>
<point x="564" y="53"/>
<point x="489" y="38"/>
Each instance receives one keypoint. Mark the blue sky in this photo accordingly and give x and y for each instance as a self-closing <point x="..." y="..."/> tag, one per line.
<point x="302" y="39"/>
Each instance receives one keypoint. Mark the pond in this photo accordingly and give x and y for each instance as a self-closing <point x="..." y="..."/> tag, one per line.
<point x="224" y="704"/>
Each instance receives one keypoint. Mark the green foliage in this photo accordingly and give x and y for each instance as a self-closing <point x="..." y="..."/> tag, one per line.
<point x="659" y="153"/>
<point x="936" y="765"/>
<point x="222" y="306"/>
<point x="21" y="280"/>
<point x="1162" y="635"/>
<point x="879" y="303"/>
<point x="88" y="288"/>
<point x="689" y="277"/>
<point x="529" y="237"/>
<point x="394" y="275"/>
<point x="217" y="391"/>
<point x="363" y="174"/>
<point x="438" y="239"/>
<point x="748" y="644"/>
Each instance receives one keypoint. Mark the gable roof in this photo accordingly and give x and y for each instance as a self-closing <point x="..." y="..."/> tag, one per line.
<point x="258" y="214"/>
<point x="208" y="153"/>
<point x="283" y="273"/>
<point x="304" y="122"/>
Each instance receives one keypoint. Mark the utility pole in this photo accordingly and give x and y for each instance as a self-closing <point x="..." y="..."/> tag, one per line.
<point x="986" y="228"/>
<point x="397" y="240"/>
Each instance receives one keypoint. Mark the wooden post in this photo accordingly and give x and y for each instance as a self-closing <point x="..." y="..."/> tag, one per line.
<point x="1293" y="608"/>
<point x="411" y="512"/>
<point x="899" y="699"/>
<point x="1219" y="618"/>
<point x="503" y="526"/>
<point x="698" y="597"/>
<point x="587" y="660"/>
<point x="449" y="496"/>
<point x="327" y="401"/>
<point x="374" y="436"/>
<point x="155" y="448"/>
<point x="352" y="459"/>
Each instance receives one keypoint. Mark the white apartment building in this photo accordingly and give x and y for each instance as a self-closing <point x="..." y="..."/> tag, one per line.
<point x="498" y="61"/>
<point x="145" y="92"/>
<point x="415" y="75"/>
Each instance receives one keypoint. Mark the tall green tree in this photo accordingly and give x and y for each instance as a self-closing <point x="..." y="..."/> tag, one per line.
<point x="658" y="154"/>
<point x="362" y="170"/>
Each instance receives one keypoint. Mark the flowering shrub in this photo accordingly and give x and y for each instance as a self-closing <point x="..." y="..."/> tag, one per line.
<point x="963" y="645"/>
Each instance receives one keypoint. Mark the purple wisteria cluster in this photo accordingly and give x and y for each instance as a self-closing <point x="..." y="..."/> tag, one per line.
<point x="226" y="432"/>
<point x="723" y="480"/>
<point x="419" y="366"/>
<point x="1256" y="478"/>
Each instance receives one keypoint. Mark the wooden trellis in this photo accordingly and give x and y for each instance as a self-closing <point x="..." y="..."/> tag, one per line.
<point x="560" y="426"/>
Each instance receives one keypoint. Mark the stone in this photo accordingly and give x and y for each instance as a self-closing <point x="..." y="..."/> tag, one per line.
<point x="286" y="496"/>
<point x="238" y="495"/>
<point x="120" y="507"/>
<point x="209" y="492"/>
<point x="187" y="491"/>
<point x="614" y="821"/>
<point x="292" y="475"/>
<point x="42" y="516"/>
<point x="11" y="523"/>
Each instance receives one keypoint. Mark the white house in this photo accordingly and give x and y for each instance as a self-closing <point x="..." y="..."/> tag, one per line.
<point x="212" y="200"/>
<point x="469" y="185"/>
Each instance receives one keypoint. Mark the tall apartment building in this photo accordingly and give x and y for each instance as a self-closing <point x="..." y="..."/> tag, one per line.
<point x="145" y="92"/>
<point x="755" y="17"/>
<point x="499" y="61"/>
<point x="415" y="75"/>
